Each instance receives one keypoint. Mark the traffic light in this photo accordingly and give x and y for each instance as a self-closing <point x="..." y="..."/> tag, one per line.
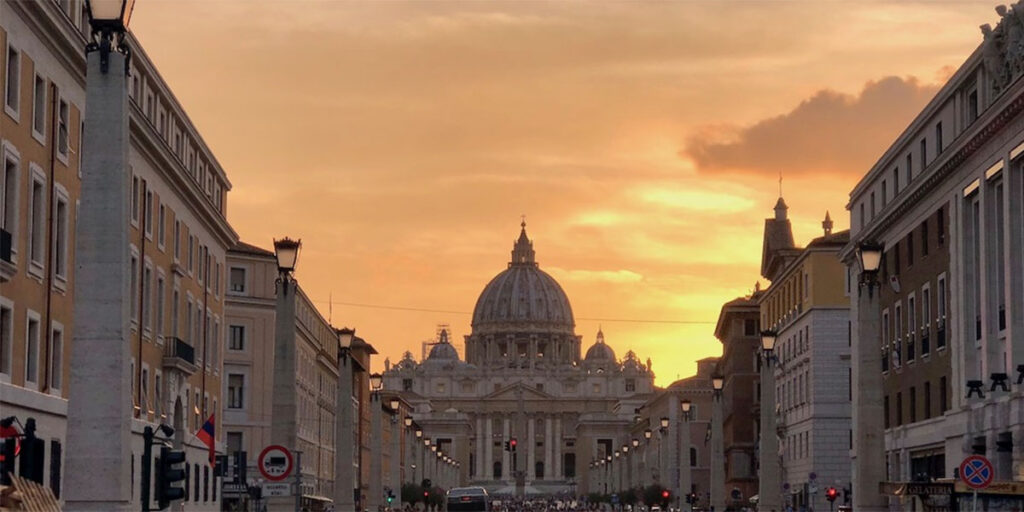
<point x="167" y="475"/>
<point x="32" y="449"/>
<point x="694" y="498"/>
<point x="831" y="494"/>
<point x="390" y="496"/>
<point x="426" y="483"/>
<point x="512" y="444"/>
<point x="665" y="495"/>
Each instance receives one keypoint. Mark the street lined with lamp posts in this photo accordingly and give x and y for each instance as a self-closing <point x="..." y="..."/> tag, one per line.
<point x="155" y="355"/>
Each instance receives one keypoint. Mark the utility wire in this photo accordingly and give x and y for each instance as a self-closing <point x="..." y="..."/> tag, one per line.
<point x="447" y="311"/>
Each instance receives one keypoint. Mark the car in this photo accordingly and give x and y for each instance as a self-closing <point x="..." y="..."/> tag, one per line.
<point x="468" y="499"/>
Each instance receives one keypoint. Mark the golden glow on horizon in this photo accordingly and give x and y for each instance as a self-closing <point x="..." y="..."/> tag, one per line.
<point x="403" y="140"/>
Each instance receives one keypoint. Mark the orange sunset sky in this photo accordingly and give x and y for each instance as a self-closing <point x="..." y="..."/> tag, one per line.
<point x="642" y="140"/>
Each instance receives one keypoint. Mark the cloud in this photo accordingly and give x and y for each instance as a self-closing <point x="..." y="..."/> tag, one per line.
<point x="612" y="276"/>
<point x="830" y="132"/>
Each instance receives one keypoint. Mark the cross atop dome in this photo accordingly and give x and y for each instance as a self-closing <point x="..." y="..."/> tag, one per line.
<point x="522" y="251"/>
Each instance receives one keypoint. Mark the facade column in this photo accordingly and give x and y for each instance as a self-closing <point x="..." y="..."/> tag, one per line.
<point x="344" y="467"/>
<point x="549" y="446"/>
<point x="558" y="448"/>
<point x="868" y="427"/>
<point x="488" y="448"/>
<point x="531" y="448"/>
<point x="98" y="472"/>
<point x="506" y="459"/>
<point x="479" y="473"/>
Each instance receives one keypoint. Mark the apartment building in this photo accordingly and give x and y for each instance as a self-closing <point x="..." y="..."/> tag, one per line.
<point x="249" y="372"/>
<point x="943" y="201"/>
<point x="808" y="307"/>
<point x="739" y="330"/>
<point x="178" y="233"/>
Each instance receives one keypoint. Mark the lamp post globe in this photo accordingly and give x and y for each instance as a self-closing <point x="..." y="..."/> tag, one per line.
<point x="109" y="15"/>
<point x="686" y="405"/>
<point x="870" y="256"/>
<point x="286" y="251"/>
<point x="419" y="433"/>
<point x="768" y="341"/>
<point x="636" y="442"/>
<point x="647" y="434"/>
<point x="394" y="403"/>
<point x="345" y="336"/>
<point x="408" y="421"/>
<point x="717" y="382"/>
<point x="376" y="381"/>
<point x="664" y="422"/>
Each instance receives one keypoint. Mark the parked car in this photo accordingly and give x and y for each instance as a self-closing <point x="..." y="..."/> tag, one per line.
<point x="468" y="499"/>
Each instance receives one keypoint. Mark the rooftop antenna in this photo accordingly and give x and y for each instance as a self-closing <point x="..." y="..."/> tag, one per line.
<point x="780" y="183"/>
<point x="330" y="306"/>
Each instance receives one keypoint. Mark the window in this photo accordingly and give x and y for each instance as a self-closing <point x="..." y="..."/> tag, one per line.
<point x="872" y="206"/>
<point x="939" y="223"/>
<point x="927" y="400"/>
<point x="37" y="221"/>
<point x="924" y="153"/>
<point x="895" y="181"/>
<point x="6" y="337"/>
<point x="926" y="314"/>
<point x="32" y="349"/>
<point x="938" y="138"/>
<point x="147" y="294"/>
<point x="407" y="385"/>
<point x="175" y="297"/>
<point x="885" y="193"/>
<point x="9" y="197"/>
<point x="237" y="337"/>
<point x="135" y="200"/>
<point x="924" y="238"/>
<point x="972" y="106"/>
<point x="134" y="279"/>
<point x="11" y="98"/>
<point x="750" y="327"/>
<point x="177" y="239"/>
<point x="940" y="306"/>
<point x="943" y="404"/>
<point x="191" y="249"/>
<point x="899" y="409"/>
<point x="57" y="357"/>
<point x="630" y="385"/>
<point x="145" y="390"/>
<point x="885" y="413"/>
<point x="913" y="404"/>
<point x="237" y="277"/>
<point x="236" y="390"/>
<point x="160" y="227"/>
<point x="910" y="166"/>
<point x="911" y="322"/>
<point x="234" y="442"/>
<point x="149" y="213"/>
<point x="188" y="324"/>
<point x="897" y="360"/>
<point x="60" y="238"/>
<point x="39" y="109"/>
<point x="63" y="118"/>
<point x="910" y="248"/>
<point x="159" y="306"/>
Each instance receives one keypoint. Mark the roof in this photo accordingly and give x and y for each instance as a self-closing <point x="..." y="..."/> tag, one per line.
<point x="732" y="307"/>
<point x="242" y="247"/>
<point x="839" y="239"/>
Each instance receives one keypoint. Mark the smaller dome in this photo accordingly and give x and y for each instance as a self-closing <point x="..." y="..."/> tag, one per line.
<point x="599" y="351"/>
<point x="443" y="350"/>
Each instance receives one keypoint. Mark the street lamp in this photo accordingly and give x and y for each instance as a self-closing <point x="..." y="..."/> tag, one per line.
<point x="664" y="422"/>
<point x="685" y="476"/>
<point x="648" y="434"/>
<point x="717" y="445"/>
<point x="100" y="354"/>
<point x="636" y="442"/>
<point x="377" y="478"/>
<point x="286" y="251"/>
<point x="419" y="433"/>
<point x="408" y="421"/>
<point x="868" y="413"/>
<point x="768" y="478"/>
<point x="344" y="497"/>
<point x="376" y="381"/>
<point x="394" y="403"/>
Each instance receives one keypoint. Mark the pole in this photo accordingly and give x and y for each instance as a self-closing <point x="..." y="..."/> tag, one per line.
<point x="868" y="414"/>
<point x="768" y="477"/>
<point x="344" y="478"/>
<point x="717" y="455"/>
<point x="974" y="504"/>
<point x="147" y="467"/>
<point x="298" y="481"/>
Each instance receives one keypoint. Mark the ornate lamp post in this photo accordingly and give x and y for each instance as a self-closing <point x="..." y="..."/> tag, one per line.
<point x="661" y="439"/>
<point x="685" y="480"/>
<point x="769" y="491"/>
<point x="717" y="446"/>
<point x="396" y="452"/>
<point x="376" y="493"/>
<point x="344" y="429"/>
<point x="868" y="413"/>
<point x="98" y="473"/>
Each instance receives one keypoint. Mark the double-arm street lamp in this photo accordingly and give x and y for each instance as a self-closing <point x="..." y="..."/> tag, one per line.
<point x="769" y="490"/>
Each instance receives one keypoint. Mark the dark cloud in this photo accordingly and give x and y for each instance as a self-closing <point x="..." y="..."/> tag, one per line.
<point x="829" y="132"/>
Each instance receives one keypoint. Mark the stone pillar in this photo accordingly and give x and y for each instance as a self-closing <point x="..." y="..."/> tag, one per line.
<point x="480" y="442"/>
<point x="685" y="476"/>
<point x="375" y="494"/>
<point x="549" y="446"/>
<point x="868" y="428"/>
<point x="344" y="470"/>
<point x="769" y="486"/>
<point x="717" y="455"/>
<point x="284" y="408"/>
<point x="397" y="431"/>
<point x="558" y="448"/>
<point x="99" y="456"/>
<point x="531" y="447"/>
<point x="506" y="458"/>
<point x="489" y="447"/>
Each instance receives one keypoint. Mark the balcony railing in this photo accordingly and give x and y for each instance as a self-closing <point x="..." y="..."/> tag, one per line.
<point x="179" y="355"/>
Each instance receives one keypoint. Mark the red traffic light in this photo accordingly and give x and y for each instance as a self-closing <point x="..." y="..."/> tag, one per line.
<point x="831" y="493"/>
<point x="512" y="443"/>
<point x="664" y="494"/>
<point x="425" y="494"/>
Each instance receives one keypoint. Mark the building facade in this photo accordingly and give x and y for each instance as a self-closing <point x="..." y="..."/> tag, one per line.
<point x="739" y="330"/>
<point x="249" y="372"/>
<point x="943" y="200"/>
<point x="178" y="235"/>
<point x="808" y="307"/>
<point x="523" y="377"/>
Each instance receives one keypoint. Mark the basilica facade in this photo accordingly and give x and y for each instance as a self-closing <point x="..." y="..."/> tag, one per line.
<point x="523" y="377"/>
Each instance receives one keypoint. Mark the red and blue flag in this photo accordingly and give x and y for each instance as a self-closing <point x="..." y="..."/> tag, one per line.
<point x="208" y="436"/>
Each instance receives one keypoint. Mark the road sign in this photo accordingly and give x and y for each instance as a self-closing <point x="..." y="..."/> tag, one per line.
<point x="976" y="472"/>
<point x="233" y="489"/>
<point x="275" y="463"/>
<point x="277" y="489"/>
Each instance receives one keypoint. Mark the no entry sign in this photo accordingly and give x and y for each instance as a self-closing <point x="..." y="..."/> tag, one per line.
<point x="275" y="463"/>
<point x="976" y="471"/>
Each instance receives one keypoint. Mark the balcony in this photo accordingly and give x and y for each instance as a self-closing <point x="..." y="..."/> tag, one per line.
<point x="7" y="268"/>
<point x="180" y="356"/>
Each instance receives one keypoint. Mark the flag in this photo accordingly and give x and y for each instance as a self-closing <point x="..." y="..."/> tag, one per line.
<point x="206" y="435"/>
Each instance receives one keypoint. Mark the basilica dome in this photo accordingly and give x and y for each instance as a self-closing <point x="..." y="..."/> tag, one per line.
<point x="600" y="352"/>
<point x="523" y="298"/>
<point x="443" y="349"/>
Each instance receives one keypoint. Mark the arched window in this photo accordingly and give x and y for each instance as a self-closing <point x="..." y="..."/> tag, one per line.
<point x="693" y="457"/>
